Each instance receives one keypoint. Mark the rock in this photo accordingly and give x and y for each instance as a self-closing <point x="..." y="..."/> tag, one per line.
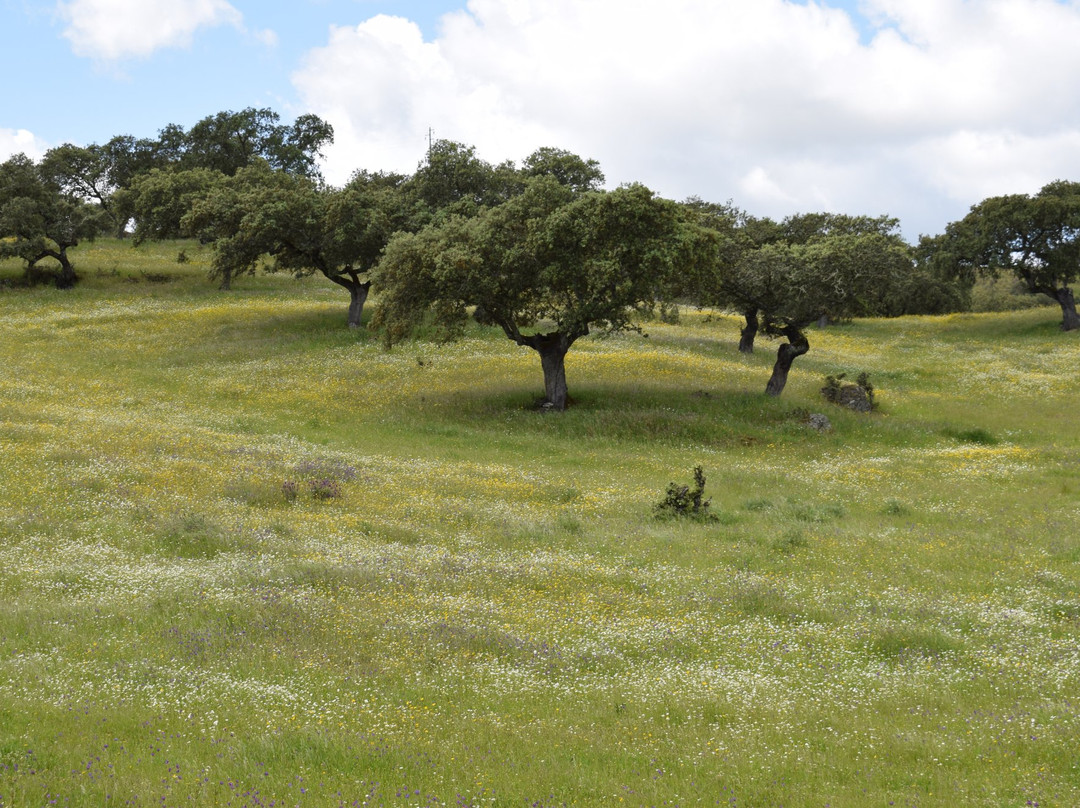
<point x="819" y="422"/>
<point x="855" y="398"/>
<point x="858" y="397"/>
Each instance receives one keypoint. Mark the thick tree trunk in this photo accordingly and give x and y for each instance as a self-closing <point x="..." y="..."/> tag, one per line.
<point x="65" y="277"/>
<point x="552" y="349"/>
<point x="1070" y="321"/>
<point x="749" y="332"/>
<point x="787" y="353"/>
<point x="358" y="290"/>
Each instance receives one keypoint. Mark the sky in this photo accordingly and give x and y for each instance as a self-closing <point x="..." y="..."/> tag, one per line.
<point x="916" y="109"/>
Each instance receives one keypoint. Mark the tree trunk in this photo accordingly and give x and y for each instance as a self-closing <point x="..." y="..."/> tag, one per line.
<point x="787" y="353"/>
<point x="358" y="294"/>
<point x="746" y="338"/>
<point x="349" y="279"/>
<point x="66" y="277"/>
<point x="1070" y="321"/>
<point x="552" y="349"/>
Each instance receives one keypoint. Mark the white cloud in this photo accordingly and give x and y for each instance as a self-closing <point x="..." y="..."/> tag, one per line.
<point x="110" y="30"/>
<point x="267" y="37"/>
<point x="972" y="165"/>
<point x="776" y="104"/>
<point x="16" y="141"/>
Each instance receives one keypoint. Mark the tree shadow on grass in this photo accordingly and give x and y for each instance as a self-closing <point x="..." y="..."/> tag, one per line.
<point x="604" y="413"/>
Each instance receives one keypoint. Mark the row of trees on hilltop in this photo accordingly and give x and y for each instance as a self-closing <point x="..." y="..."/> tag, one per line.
<point x="538" y="250"/>
<point x="108" y="175"/>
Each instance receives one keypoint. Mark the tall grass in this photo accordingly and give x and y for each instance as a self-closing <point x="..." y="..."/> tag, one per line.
<point x="247" y="556"/>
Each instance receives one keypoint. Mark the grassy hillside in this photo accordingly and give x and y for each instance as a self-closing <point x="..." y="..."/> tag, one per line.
<point x="247" y="557"/>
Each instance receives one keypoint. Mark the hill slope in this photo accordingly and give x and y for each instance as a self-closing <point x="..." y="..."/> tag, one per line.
<point x="248" y="555"/>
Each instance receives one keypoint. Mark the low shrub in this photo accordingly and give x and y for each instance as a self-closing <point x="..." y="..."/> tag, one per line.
<point x="682" y="501"/>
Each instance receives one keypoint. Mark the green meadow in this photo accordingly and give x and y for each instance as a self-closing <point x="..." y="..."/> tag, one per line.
<point x="248" y="557"/>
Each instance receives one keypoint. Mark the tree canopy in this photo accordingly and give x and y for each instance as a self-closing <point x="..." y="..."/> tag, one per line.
<point x="229" y="141"/>
<point x="159" y="199"/>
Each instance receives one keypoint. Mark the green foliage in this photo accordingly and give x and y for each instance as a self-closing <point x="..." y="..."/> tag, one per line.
<point x="228" y="141"/>
<point x="453" y="180"/>
<point x="82" y="173"/>
<point x="299" y="226"/>
<point x="161" y="198"/>
<point x="804" y="267"/>
<point x="863" y="381"/>
<point x="574" y="172"/>
<point x="683" y="501"/>
<point x="831" y="390"/>
<point x="1004" y="293"/>
<point x="219" y="144"/>
<point x="784" y="276"/>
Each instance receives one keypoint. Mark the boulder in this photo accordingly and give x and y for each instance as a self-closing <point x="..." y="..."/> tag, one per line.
<point x="855" y="398"/>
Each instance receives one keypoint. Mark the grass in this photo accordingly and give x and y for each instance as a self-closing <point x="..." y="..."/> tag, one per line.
<point x="248" y="557"/>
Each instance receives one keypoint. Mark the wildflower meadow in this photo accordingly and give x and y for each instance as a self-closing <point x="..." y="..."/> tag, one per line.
<point x="248" y="557"/>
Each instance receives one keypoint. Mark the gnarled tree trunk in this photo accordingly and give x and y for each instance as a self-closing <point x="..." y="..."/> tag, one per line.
<point x="358" y="293"/>
<point x="749" y="332"/>
<point x="1070" y="321"/>
<point x="786" y="354"/>
<point x="65" y="277"/>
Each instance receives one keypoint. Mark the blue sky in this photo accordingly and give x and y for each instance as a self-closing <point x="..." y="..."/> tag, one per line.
<point x="915" y="108"/>
<point x="60" y="96"/>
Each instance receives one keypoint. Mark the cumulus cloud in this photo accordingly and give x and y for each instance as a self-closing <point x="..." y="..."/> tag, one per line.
<point x="16" y="141"/>
<point x="972" y="165"/>
<point x="781" y="106"/>
<point x="111" y="30"/>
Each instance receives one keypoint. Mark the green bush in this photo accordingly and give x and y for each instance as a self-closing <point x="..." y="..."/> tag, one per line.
<point x="682" y="501"/>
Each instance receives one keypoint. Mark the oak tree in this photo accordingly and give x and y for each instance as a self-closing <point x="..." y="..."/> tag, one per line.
<point x="296" y="225"/>
<point x="39" y="220"/>
<point x="1034" y="237"/>
<point x="546" y="267"/>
